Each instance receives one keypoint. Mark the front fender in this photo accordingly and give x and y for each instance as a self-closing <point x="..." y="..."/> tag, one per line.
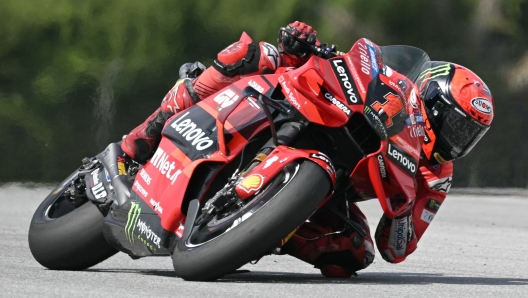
<point x="281" y="156"/>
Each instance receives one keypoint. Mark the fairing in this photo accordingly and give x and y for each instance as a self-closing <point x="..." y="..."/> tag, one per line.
<point x="384" y="78"/>
<point x="325" y="92"/>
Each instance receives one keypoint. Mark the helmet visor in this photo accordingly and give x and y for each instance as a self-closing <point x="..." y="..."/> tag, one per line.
<point x="454" y="129"/>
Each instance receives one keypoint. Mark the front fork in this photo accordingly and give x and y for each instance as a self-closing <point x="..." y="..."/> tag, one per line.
<point x="286" y="135"/>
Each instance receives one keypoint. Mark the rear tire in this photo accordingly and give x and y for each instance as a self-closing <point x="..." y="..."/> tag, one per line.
<point x="72" y="241"/>
<point x="259" y="233"/>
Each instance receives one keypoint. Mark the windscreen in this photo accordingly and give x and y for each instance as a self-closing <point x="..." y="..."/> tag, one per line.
<point x="406" y="60"/>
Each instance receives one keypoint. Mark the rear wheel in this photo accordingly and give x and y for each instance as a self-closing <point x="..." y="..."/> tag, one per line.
<point x="224" y="242"/>
<point x="66" y="231"/>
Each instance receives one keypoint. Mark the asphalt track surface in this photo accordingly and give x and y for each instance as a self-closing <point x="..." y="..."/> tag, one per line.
<point x="476" y="246"/>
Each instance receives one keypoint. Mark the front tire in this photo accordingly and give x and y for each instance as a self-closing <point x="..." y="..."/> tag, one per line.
<point x="70" y="239"/>
<point x="257" y="234"/>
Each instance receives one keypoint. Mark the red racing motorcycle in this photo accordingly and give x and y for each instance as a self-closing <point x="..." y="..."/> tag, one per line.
<point x="235" y="175"/>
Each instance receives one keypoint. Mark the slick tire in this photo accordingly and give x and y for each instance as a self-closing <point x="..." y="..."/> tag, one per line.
<point x="258" y="234"/>
<point x="73" y="241"/>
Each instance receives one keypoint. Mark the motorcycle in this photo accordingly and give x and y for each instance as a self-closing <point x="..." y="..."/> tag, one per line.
<point x="238" y="173"/>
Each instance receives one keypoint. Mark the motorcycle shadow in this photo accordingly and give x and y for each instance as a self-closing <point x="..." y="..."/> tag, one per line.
<point x="379" y="278"/>
<point x="367" y="278"/>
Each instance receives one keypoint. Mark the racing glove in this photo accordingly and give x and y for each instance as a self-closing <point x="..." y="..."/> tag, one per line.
<point x="395" y="237"/>
<point x="295" y="41"/>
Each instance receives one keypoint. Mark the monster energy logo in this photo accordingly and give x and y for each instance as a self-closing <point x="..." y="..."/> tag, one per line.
<point x="145" y="233"/>
<point x="435" y="72"/>
<point x="133" y="217"/>
<point x="433" y="205"/>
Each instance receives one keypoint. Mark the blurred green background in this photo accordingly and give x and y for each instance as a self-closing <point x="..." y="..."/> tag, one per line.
<point x="78" y="74"/>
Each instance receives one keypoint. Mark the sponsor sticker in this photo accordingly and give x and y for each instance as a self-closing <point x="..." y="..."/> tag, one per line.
<point x="383" y="168"/>
<point x="435" y="72"/>
<point x="482" y="105"/>
<point x="256" y="86"/>
<point x="345" y="80"/>
<point x="160" y="160"/>
<point x="251" y="183"/>
<point x="121" y="166"/>
<point x="270" y="161"/>
<point x="441" y="185"/>
<point x="416" y="130"/>
<point x="407" y="146"/>
<point x="145" y="234"/>
<point x="427" y="216"/>
<point x="439" y="158"/>
<point x="364" y="58"/>
<point x="192" y="133"/>
<point x="398" y="236"/>
<point x="98" y="189"/>
<point x="402" y="159"/>
<point x="413" y="98"/>
<point x="433" y="205"/>
<point x="355" y="74"/>
<point x="373" y="61"/>
<point x="378" y="124"/>
<point x="323" y="157"/>
<point x="145" y="176"/>
<point x="289" y="92"/>
<point x="156" y="205"/>
<point x="140" y="189"/>
<point x="132" y="220"/>
<point x="337" y="103"/>
<point x="227" y="98"/>
<point x="399" y="87"/>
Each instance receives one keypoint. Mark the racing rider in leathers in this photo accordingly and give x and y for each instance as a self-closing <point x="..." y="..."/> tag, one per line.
<point x="457" y="108"/>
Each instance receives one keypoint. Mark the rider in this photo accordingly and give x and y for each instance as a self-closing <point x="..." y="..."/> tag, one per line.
<point x="457" y="108"/>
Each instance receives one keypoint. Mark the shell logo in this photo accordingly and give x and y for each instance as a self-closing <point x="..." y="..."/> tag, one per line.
<point x="251" y="183"/>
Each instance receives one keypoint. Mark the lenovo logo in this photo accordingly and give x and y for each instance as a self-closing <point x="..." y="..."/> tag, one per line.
<point x="402" y="159"/>
<point x="343" y="74"/>
<point x="189" y="130"/>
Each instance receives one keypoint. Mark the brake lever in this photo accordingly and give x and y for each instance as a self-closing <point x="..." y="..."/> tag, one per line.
<point x="320" y="51"/>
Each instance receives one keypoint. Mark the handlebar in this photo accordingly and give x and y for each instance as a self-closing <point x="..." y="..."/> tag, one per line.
<point x="324" y="50"/>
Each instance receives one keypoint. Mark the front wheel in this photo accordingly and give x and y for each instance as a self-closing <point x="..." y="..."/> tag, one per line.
<point x="224" y="243"/>
<point x="66" y="233"/>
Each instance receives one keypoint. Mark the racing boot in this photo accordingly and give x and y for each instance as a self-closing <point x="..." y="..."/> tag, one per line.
<point x="142" y="141"/>
<point x="337" y="255"/>
<point x="240" y="59"/>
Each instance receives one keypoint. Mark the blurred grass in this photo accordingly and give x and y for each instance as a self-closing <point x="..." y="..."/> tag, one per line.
<point x="76" y="75"/>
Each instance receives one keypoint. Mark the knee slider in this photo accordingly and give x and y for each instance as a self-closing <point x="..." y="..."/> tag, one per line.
<point x="353" y="259"/>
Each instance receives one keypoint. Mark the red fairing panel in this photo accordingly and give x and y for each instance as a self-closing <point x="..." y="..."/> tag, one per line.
<point x="281" y="156"/>
<point x="161" y="183"/>
<point x="214" y="131"/>
<point x="391" y="170"/>
<point x="323" y="91"/>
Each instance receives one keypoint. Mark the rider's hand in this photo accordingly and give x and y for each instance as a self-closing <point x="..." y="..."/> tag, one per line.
<point x="395" y="237"/>
<point x="296" y="38"/>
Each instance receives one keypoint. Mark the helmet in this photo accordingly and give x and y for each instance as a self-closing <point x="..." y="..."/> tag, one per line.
<point x="458" y="107"/>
